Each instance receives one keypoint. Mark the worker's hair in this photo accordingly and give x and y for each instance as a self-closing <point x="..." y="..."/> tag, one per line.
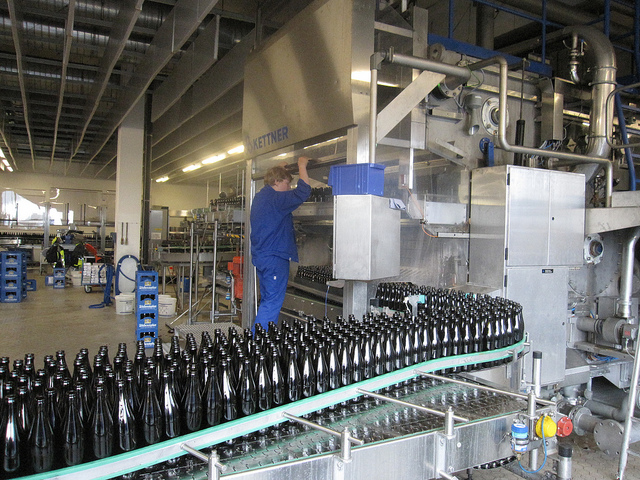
<point x="276" y="173"/>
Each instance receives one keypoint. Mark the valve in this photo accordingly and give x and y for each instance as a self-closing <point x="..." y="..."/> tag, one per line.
<point x="565" y="427"/>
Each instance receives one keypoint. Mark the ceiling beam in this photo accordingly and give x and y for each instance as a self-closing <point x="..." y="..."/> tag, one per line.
<point x="181" y="23"/>
<point x="66" y="51"/>
<point x="123" y="25"/>
<point x="198" y="58"/>
<point x="16" y="32"/>
<point x="214" y="84"/>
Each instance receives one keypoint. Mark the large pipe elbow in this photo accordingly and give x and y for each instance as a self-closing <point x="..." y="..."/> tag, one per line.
<point x="626" y="275"/>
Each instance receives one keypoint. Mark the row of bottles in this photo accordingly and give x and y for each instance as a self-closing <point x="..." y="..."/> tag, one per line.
<point x="315" y="273"/>
<point x="321" y="194"/>
<point x="231" y="201"/>
<point x="55" y="416"/>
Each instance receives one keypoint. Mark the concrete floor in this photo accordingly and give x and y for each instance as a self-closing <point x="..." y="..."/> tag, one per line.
<point x="50" y="320"/>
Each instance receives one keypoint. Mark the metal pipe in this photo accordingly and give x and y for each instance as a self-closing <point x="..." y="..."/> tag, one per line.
<point x="409" y="405"/>
<point x="373" y="113"/>
<point x="213" y="274"/>
<point x="573" y="158"/>
<point x="573" y="63"/>
<point x="621" y="122"/>
<point x="565" y="452"/>
<point x="446" y="476"/>
<point x="624" y="451"/>
<point x="537" y="373"/>
<point x="460" y="73"/>
<point x="485" y="27"/>
<point x="487" y="389"/>
<point x="316" y="426"/>
<point x="531" y="413"/>
<point x="626" y="275"/>
<point x="190" y="320"/>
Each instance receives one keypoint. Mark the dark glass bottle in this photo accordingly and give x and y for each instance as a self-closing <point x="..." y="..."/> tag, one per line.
<point x="247" y="394"/>
<point x="212" y="397"/>
<point x="357" y="359"/>
<point x="73" y="434"/>
<point x="192" y="402"/>
<point x="12" y="463"/>
<point x="333" y="366"/>
<point x="264" y="385"/>
<point x="293" y="379"/>
<point x="24" y="413"/>
<point x="346" y="364"/>
<point x="436" y="345"/>
<point x="368" y="361"/>
<point x="307" y="374"/>
<point x="379" y="358"/>
<point x="41" y="439"/>
<point x="321" y="369"/>
<point x="170" y="407"/>
<point x="101" y="426"/>
<point x="152" y="420"/>
<point x="124" y="422"/>
<point x="228" y="397"/>
<point x="277" y="380"/>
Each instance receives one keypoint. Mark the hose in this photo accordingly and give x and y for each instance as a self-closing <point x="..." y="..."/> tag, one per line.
<point x="107" y="287"/>
<point x="119" y="272"/>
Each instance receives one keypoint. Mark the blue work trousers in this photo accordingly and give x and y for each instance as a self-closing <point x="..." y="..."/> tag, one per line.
<point x="273" y="274"/>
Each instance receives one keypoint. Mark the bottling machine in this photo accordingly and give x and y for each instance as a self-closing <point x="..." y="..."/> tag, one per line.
<point x="465" y="208"/>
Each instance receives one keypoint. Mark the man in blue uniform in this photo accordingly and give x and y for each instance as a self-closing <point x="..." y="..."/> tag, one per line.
<point x="273" y="242"/>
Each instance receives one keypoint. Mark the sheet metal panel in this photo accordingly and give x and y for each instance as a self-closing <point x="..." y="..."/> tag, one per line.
<point x="366" y="238"/>
<point x="542" y="292"/>
<point x="298" y="84"/>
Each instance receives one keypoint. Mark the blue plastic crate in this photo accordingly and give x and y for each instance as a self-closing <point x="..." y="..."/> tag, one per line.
<point x="59" y="273"/>
<point x="12" y="258"/>
<point x="10" y="297"/>
<point x="31" y="285"/>
<point x="357" y="179"/>
<point x="148" y="335"/>
<point x="59" y="282"/>
<point x="11" y="271"/>
<point x="10" y="283"/>
<point x="146" y="280"/>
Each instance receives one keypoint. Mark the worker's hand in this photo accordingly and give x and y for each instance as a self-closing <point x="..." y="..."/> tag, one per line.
<point x="303" y="161"/>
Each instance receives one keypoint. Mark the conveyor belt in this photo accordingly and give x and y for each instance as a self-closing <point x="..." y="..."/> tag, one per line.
<point x="267" y="438"/>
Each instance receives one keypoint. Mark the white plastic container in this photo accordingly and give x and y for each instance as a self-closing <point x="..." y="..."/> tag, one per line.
<point x="124" y="303"/>
<point x="76" y="278"/>
<point x="167" y="305"/>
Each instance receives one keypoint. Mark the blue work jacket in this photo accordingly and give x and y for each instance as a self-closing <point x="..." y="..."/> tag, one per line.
<point x="272" y="222"/>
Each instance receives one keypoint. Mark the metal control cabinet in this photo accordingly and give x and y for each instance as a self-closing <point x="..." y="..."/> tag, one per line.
<point x="526" y="229"/>
<point x="366" y="238"/>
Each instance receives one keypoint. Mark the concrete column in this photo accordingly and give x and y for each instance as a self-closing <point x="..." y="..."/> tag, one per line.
<point x="129" y="190"/>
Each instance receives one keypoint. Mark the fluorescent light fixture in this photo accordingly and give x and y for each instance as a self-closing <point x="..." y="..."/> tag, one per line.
<point x="162" y="179"/>
<point x="2" y="154"/>
<point x="10" y="169"/>
<point x="214" y="159"/>
<point x="6" y="162"/>
<point x="283" y="155"/>
<point x="191" y="168"/>
<point x="388" y="84"/>
<point x="234" y="150"/>
<point x="585" y="124"/>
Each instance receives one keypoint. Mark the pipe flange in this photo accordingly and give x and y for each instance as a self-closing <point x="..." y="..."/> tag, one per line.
<point x="593" y="249"/>
<point x="608" y="436"/>
<point x="491" y="115"/>
<point x="575" y="415"/>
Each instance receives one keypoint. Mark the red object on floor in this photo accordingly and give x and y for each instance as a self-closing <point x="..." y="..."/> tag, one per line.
<point x="236" y="268"/>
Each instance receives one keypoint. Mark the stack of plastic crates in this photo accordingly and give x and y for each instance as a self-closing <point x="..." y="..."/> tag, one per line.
<point x="13" y="277"/>
<point x="146" y="306"/>
<point x="59" y="277"/>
